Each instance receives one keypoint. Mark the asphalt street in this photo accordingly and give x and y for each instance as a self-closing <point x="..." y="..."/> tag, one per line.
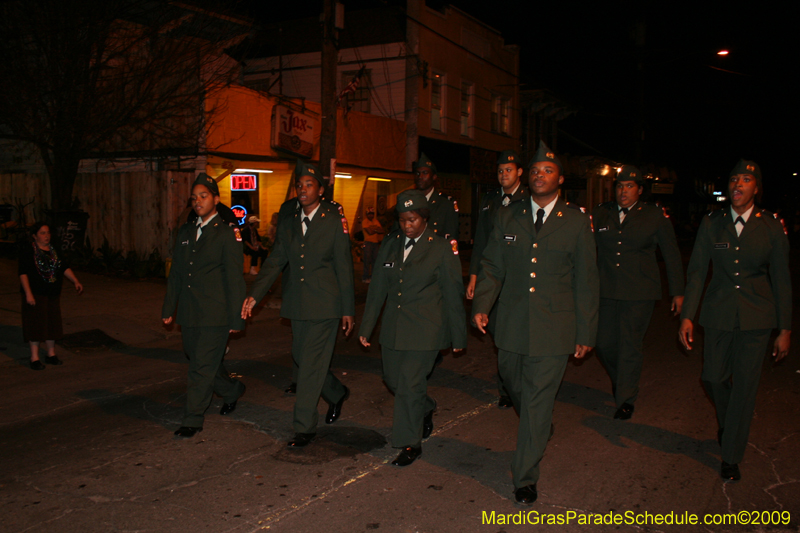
<point x="88" y="446"/>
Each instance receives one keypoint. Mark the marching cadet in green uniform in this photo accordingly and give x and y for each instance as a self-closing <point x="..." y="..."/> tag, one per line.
<point x="540" y="266"/>
<point x="206" y="285"/>
<point x="443" y="209"/>
<point x="509" y="174"/>
<point x="750" y="294"/>
<point x="418" y="276"/>
<point x="317" y="292"/>
<point x="287" y="211"/>
<point x="627" y="232"/>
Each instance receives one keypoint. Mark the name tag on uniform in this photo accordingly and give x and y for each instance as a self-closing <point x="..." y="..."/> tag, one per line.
<point x="509" y="238"/>
<point x="604" y="228"/>
<point x="722" y="245"/>
<point x="388" y="265"/>
<point x="185" y="243"/>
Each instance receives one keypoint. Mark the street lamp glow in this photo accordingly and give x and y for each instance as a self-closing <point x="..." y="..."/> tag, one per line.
<point x="723" y="53"/>
<point x="253" y="170"/>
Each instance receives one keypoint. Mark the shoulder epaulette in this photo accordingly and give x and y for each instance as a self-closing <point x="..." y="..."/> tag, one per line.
<point x="576" y="207"/>
<point x="716" y="214"/>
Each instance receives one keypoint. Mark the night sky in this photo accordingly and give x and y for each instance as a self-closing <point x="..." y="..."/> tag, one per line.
<point x="698" y="120"/>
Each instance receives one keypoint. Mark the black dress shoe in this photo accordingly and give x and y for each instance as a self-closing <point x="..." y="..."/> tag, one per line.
<point x="37" y="365"/>
<point x="301" y="440"/>
<point x="291" y="389"/>
<point x="53" y="360"/>
<point x="526" y="495"/>
<point x="228" y="408"/>
<point x="624" y="412"/>
<point x="186" y="432"/>
<point x="427" y="424"/>
<point x="335" y="409"/>
<point x="505" y="402"/>
<point x="407" y="455"/>
<point x="730" y="472"/>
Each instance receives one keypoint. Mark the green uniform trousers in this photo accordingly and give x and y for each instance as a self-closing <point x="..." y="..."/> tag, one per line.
<point x="312" y="350"/>
<point x="731" y="371"/>
<point x="406" y="374"/>
<point x="205" y="347"/>
<point x="501" y="388"/>
<point x="621" y="327"/>
<point x="533" y="383"/>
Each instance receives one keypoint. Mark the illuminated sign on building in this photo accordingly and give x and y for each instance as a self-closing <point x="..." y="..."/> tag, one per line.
<point x="239" y="212"/>
<point x="293" y="131"/>
<point x="244" y="182"/>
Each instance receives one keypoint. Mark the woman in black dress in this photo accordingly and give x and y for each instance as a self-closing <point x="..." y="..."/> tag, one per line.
<point x="41" y="274"/>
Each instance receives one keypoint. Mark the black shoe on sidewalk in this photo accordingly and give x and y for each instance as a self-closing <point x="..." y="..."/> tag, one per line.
<point x="407" y="455"/>
<point x="335" y="409"/>
<point x="185" y="432"/>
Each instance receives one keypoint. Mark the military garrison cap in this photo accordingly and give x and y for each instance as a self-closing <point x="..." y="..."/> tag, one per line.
<point x="748" y="167"/>
<point x="304" y="168"/>
<point x="424" y="162"/>
<point x="411" y="200"/>
<point x="630" y="173"/>
<point x="509" y="156"/>
<point x="208" y="181"/>
<point x="544" y="153"/>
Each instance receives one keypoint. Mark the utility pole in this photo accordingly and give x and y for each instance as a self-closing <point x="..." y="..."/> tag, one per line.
<point x="639" y="35"/>
<point x="327" y="141"/>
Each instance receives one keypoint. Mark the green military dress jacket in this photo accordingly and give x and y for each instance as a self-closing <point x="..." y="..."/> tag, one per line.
<point x="444" y="215"/>
<point x="626" y="252"/>
<point x="423" y="296"/>
<point x="318" y="283"/>
<point x="290" y="207"/>
<point x="750" y="278"/>
<point x="491" y="202"/>
<point x="205" y="281"/>
<point x="545" y="284"/>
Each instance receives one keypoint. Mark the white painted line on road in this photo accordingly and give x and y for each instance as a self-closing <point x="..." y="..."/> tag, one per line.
<point x="280" y="514"/>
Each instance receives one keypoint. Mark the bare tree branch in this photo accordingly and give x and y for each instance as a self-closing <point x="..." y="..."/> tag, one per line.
<point x="93" y="77"/>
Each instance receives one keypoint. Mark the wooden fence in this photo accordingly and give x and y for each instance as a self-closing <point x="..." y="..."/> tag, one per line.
<point x="134" y="210"/>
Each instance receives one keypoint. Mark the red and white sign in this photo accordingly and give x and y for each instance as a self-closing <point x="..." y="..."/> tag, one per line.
<point x="244" y="182"/>
<point x="293" y="131"/>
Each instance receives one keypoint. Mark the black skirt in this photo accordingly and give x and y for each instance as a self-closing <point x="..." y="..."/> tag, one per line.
<point x="41" y="322"/>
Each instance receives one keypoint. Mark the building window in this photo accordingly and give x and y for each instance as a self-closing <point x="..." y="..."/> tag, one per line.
<point x="437" y="102"/>
<point x="358" y="99"/>
<point x="261" y="84"/>
<point x="467" y="99"/>
<point x="500" y="114"/>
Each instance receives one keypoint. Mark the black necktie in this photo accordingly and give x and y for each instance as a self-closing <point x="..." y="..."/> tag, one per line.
<point x="506" y="199"/>
<point x="306" y="221"/>
<point x="624" y="210"/>
<point x="739" y="220"/>
<point x="409" y="244"/>
<point x="539" y="220"/>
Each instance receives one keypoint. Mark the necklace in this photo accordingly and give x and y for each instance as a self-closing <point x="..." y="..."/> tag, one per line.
<point x="47" y="263"/>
